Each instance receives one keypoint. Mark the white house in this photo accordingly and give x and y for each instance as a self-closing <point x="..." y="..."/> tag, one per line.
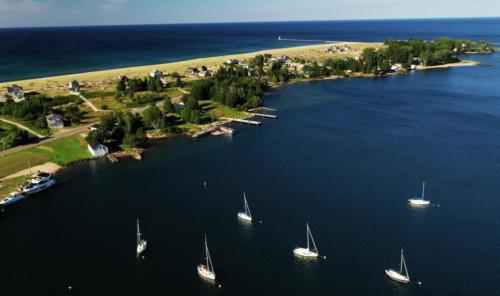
<point x="15" y="93"/>
<point x="232" y="62"/>
<point x="74" y="86"/>
<point x="155" y="73"/>
<point x="54" y="121"/>
<point x="96" y="149"/>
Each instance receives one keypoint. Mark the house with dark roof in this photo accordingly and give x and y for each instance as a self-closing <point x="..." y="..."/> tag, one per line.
<point x="54" y="121"/>
<point x="15" y="93"/>
<point x="74" y="86"/>
<point x="96" y="149"/>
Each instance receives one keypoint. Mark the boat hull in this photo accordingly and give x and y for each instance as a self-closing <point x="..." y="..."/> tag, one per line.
<point x="205" y="273"/>
<point x="419" y="202"/>
<point x="141" y="247"/>
<point x="11" y="199"/>
<point x="39" y="187"/>
<point x="305" y="253"/>
<point x="396" y="276"/>
<point x="243" y="216"/>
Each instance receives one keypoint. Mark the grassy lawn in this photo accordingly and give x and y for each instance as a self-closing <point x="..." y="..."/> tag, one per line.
<point x="28" y="124"/>
<point x="219" y="110"/>
<point x="110" y="102"/>
<point x="62" y="152"/>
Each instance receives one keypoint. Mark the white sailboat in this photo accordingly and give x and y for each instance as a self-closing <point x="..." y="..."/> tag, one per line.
<point x="206" y="269"/>
<point x="419" y="201"/>
<point x="141" y="244"/>
<point x="245" y="215"/>
<point x="399" y="276"/>
<point x="307" y="252"/>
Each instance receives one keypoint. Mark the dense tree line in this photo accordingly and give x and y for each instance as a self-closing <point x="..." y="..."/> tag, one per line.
<point x="13" y="137"/>
<point x="34" y="109"/>
<point x="139" y="84"/>
<point x="120" y="128"/>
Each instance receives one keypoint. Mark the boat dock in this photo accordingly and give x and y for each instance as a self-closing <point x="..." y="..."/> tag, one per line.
<point x="265" y="115"/>
<point x="246" y="121"/>
<point x="200" y="134"/>
<point x="112" y="158"/>
<point x="264" y="109"/>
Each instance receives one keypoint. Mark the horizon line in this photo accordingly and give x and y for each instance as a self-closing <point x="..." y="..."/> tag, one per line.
<point x="254" y="22"/>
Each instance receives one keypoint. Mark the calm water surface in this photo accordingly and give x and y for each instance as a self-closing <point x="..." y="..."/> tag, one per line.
<point x="343" y="156"/>
<point x="40" y="52"/>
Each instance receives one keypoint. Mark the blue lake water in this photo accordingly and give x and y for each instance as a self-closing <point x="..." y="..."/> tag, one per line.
<point x="39" y="52"/>
<point x="344" y="156"/>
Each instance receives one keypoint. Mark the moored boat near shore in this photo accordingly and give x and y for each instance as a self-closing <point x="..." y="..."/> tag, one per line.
<point x="12" y="199"/>
<point x="32" y="188"/>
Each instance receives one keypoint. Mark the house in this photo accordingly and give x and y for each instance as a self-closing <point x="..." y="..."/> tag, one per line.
<point x="155" y="73"/>
<point x="232" y="62"/>
<point x="205" y="74"/>
<point x="74" y="86"/>
<point x="193" y="71"/>
<point x="123" y="78"/>
<point x="396" y="67"/>
<point x="54" y="121"/>
<point x="96" y="149"/>
<point x="282" y="58"/>
<point x="15" y="93"/>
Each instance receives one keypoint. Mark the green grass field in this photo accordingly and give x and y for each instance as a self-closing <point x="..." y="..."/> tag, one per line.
<point x="62" y="152"/>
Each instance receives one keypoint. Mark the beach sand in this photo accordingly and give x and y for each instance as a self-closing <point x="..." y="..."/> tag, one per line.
<point x="48" y="167"/>
<point x="106" y="79"/>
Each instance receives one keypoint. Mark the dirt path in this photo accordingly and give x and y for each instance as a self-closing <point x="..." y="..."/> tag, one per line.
<point x="23" y="127"/>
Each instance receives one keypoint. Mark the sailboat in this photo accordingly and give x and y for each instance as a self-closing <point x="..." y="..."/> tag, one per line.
<point x="419" y="201"/>
<point x="399" y="276"/>
<point x="245" y="215"/>
<point x="206" y="269"/>
<point x="141" y="244"/>
<point x="307" y="252"/>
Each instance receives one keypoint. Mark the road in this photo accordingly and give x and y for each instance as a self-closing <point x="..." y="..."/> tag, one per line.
<point x="22" y="127"/>
<point x="89" y="103"/>
<point x="60" y="135"/>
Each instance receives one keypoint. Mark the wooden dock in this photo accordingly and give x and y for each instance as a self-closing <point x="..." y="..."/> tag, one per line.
<point x="265" y="115"/>
<point x="112" y="158"/>
<point x="263" y="109"/>
<point x="200" y="134"/>
<point x="247" y="121"/>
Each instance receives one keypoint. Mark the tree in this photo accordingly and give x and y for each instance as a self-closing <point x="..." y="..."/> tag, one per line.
<point x="153" y="118"/>
<point x="168" y="107"/>
<point x="16" y="137"/>
<point x="121" y="86"/>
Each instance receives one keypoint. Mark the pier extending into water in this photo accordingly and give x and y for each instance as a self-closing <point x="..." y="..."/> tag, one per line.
<point x="245" y="121"/>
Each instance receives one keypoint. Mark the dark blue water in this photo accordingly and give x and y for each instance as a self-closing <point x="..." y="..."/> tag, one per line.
<point x="344" y="156"/>
<point x="29" y="53"/>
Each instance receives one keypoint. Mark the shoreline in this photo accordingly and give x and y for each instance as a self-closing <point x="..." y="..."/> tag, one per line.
<point x="144" y="70"/>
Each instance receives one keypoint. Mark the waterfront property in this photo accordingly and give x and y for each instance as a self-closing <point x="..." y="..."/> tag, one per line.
<point x="96" y="149"/>
<point x="155" y="73"/>
<point x="54" y="121"/>
<point x="15" y="93"/>
<point x="74" y="86"/>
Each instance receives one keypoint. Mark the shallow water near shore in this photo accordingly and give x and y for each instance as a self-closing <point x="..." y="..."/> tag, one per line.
<point x="344" y="155"/>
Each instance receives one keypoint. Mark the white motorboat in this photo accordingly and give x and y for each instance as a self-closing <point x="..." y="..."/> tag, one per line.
<point x="12" y="198"/>
<point x="419" y="201"/>
<point x="40" y="177"/>
<point x="245" y="215"/>
<point x="141" y="243"/>
<point x="206" y="269"/>
<point x="37" y="187"/>
<point x="307" y="252"/>
<point x="402" y="275"/>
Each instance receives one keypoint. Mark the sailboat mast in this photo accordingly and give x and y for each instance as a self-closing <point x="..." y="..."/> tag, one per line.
<point x="401" y="262"/>
<point x="138" y="233"/>
<point x="307" y="235"/>
<point x="247" y="208"/>
<point x="423" y="190"/>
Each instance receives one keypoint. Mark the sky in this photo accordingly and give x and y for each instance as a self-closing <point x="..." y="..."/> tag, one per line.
<point x="30" y="13"/>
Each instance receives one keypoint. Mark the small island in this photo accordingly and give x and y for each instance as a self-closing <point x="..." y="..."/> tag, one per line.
<point x="49" y="123"/>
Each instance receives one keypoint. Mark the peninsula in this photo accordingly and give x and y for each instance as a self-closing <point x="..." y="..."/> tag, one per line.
<point x="55" y="121"/>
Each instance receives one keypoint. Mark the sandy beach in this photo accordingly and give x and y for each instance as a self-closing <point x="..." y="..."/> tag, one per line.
<point x="101" y="80"/>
